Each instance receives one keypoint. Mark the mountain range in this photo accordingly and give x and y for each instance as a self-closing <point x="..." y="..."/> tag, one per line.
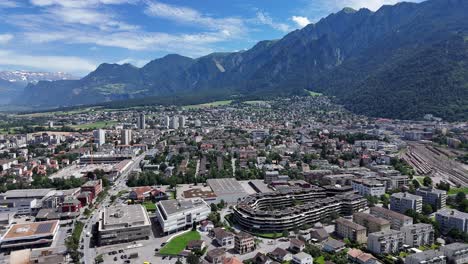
<point x="12" y="83"/>
<point x="402" y="61"/>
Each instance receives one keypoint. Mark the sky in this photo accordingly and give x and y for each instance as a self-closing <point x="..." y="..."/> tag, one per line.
<point x="75" y="36"/>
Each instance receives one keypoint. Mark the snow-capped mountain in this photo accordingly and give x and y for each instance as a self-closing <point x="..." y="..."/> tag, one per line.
<point x="34" y="77"/>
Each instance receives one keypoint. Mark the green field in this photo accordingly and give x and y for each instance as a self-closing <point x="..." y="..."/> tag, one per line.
<point x="208" y="105"/>
<point x="150" y="206"/>
<point x="177" y="244"/>
<point x="269" y="235"/>
<point x="95" y="125"/>
<point x="454" y="191"/>
<point x="313" y="94"/>
<point x="254" y="102"/>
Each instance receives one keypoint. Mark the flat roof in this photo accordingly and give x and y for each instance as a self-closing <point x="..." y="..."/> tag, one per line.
<point x="124" y="216"/>
<point x="226" y="186"/>
<point x="34" y="229"/>
<point x="26" y="193"/>
<point x="199" y="193"/>
<point x="176" y="206"/>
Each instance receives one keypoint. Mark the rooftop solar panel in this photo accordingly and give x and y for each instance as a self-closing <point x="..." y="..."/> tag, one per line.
<point x="44" y="228"/>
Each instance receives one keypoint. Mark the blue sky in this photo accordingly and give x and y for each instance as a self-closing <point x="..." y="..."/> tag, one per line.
<point x="77" y="35"/>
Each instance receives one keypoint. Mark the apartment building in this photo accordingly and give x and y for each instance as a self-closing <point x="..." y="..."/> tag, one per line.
<point x="385" y="242"/>
<point x="456" y="253"/>
<point x="435" y="197"/>
<point x="402" y="202"/>
<point x="418" y="234"/>
<point x="371" y="223"/>
<point x="350" y="230"/>
<point x="452" y="219"/>
<point x="426" y="257"/>
<point x="367" y="187"/>
<point x="397" y="220"/>
<point x="175" y="215"/>
<point x="244" y="243"/>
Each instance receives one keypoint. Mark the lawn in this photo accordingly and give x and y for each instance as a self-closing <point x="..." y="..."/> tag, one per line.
<point x="207" y="105"/>
<point x="319" y="260"/>
<point x="269" y="235"/>
<point x="454" y="191"/>
<point x="177" y="244"/>
<point x="256" y="102"/>
<point x="95" y="125"/>
<point x="150" y="206"/>
<point x="313" y="94"/>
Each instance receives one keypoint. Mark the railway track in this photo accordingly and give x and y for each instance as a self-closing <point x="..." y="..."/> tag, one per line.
<point x="429" y="160"/>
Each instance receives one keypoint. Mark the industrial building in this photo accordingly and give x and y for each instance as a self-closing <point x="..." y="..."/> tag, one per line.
<point x="30" y="235"/>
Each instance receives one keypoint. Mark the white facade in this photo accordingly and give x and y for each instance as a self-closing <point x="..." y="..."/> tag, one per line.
<point x="174" y="215"/>
<point x="99" y="136"/>
<point x="126" y="137"/>
<point x="302" y="258"/>
<point x="368" y="187"/>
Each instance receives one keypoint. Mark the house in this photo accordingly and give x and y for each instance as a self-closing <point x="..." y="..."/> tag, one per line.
<point x="357" y="256"/>
<point x="145" y="193"/>
<point x="333" y="245"/>
<point x="261" y="258"/>
<point x="216" y="256"/>
<point x="244" y="243"/>
<point x="302" y="258"/>
<point x="232" y="260"/>
<point x="296" y="245"/>
<point x="196" y="245"/>
<point x="281" y="255"/>
<point x="223" y="238"/>
<point x="319" y="234"/>
<point x="206" y="226"/>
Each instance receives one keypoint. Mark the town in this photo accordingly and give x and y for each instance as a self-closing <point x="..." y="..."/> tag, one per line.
<point x="296" y="180"/>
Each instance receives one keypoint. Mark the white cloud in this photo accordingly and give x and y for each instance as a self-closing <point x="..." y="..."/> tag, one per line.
<point x="264" y="18"/>
<point x="135" y="62"/>
<point x="229" y="26"/>
<point x="301" y="21"/>
<point x="8" y="4"/>
<point x="51" y="63"/>
<point x="5" y="38"/>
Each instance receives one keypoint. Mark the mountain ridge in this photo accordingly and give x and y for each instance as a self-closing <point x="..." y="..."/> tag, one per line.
<point x="350" y="54"/>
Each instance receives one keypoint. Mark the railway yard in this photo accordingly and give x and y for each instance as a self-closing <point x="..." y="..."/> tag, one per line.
<point x="436" y="162"/>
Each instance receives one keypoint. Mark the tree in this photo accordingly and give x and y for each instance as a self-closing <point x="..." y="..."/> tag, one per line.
<point x="285" y="233"/>
<point x="460" y="197"/>
<point x="416" y="184"/>
<point x="427" y="209"/>
<point x="178" y="261"/>
<point x="193" y="259"/>
<point x="427" y="181"/>
<point x="214" y="208"/>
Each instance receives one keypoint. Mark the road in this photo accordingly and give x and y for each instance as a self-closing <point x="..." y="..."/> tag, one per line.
<point x="89" y="251"/>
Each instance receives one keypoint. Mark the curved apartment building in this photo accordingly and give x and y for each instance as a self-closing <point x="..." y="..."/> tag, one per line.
<point x="293" y="207"/>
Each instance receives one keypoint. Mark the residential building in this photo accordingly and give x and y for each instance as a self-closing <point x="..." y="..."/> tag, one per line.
<point x="296" y="245"/>
<point x="125" y="137"/>
<point x="196" y="245"/>
<point x="333" y="245"/>
<point x="319" y="234"/>
<point x="141" y="121"/>
<point x="452" y="219"/>
<point x="457" y="253"/>
<point x="281" y="255"/>
<point x="385" y="242"/>
<point x="176" y="215"/>
<point x="426" y="257"/>
<point x="125" y="223"/>
<point x="370" y="222"/>
<point x="244" y="242"/>
<point x="357" y="256"/>
<point x="350" y="230"/>
<point x="366" y="187"/>
<point x="224" y="238"/>
<point x="397" y="220"/>
<point x="402" y="202"/>
<point x="99" y="137"/>
<point x="418" y="234"/>
<point x="435" y="197"/>
<point x="216" y="256"/>
<point x="302" y="258"/>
